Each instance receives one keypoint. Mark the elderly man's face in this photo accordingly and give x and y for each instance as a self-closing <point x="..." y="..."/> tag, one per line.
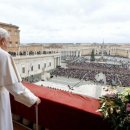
<point x="4" y="42"/>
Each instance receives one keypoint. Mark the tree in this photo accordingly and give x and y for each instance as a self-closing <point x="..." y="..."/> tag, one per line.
<point x="92" y="56"/>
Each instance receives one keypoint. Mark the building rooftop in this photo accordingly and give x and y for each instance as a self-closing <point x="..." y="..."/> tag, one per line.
<point x="5" y="24"/>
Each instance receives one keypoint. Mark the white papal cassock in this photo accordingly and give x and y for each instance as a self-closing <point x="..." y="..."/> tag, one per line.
<point x="10" y="81"/>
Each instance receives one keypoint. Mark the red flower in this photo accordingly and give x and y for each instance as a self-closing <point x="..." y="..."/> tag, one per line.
<point x="128" y="107"/>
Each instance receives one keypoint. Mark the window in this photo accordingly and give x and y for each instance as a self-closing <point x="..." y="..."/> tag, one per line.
<point x="39" y="66"/>
<point x="10" y="43"/>
<point x="49" y="63"/>
<point x="23" y="69"/>
<point x="44" y="65"/>
<point x="16" y="32"/>
<point x="31" y="68"/>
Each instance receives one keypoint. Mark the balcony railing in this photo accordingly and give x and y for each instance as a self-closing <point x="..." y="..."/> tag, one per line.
<point x="60" y="110"/>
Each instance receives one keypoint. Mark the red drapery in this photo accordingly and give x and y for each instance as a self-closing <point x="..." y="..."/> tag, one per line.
<point x="60" y="110"/>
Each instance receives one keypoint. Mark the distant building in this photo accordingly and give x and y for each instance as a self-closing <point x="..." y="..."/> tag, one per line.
<point x="36" y="66"/>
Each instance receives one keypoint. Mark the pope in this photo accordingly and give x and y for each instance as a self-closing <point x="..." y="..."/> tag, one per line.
<point x="10" y="82"/>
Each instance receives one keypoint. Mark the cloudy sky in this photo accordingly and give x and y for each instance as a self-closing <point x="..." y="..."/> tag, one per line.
<point x="77" y="21"/>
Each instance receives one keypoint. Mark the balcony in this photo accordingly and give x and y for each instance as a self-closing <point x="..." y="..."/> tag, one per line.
<point x="19" y="127"/>
<point x="60" y="110"/>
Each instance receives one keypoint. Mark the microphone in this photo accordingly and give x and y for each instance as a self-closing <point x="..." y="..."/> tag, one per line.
<point x="72" y="87"/>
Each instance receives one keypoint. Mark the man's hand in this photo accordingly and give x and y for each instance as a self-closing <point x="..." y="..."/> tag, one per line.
<point x="38" y="101"/>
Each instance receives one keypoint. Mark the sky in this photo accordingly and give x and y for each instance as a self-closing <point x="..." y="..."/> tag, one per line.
<point x="69" y="21"/>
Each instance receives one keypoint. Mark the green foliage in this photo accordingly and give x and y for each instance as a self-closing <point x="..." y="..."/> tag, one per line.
<point x="92" y="56"/>
<point x="116" y="109"/>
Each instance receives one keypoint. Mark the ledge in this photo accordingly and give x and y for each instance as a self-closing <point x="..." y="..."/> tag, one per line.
<point x="60" y="110"/>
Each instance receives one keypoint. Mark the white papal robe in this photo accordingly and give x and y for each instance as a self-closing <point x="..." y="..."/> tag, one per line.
<point x="10" y="81"/>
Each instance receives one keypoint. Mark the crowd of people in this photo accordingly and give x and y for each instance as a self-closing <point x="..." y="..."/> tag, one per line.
<point x="116" y="74"/>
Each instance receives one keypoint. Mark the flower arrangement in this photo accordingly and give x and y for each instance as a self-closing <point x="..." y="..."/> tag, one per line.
<point x="115" y="107"/>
